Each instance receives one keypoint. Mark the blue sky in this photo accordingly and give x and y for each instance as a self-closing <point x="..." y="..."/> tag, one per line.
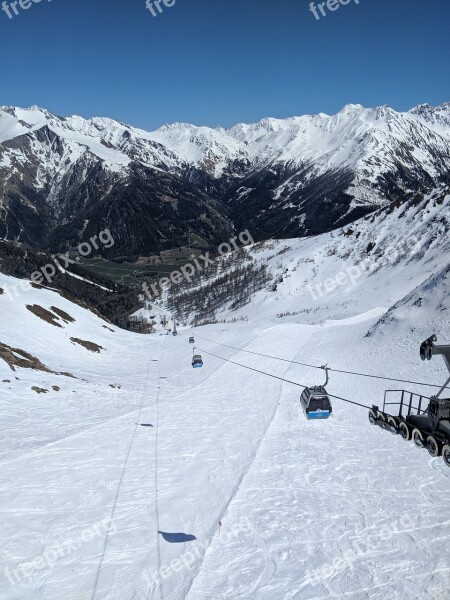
<point x="219" y="62"/>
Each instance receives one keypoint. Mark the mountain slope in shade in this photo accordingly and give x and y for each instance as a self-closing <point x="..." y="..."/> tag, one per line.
<point x="278" y="178"/>
<point x="395" y="259"/>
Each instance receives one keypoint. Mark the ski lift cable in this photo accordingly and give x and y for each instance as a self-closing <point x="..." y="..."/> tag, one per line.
<point x="329" y="368"/>
<point x="348" y="401"/>
<point x="279" y="378"/>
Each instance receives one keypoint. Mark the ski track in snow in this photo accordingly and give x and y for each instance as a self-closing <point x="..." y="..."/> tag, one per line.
<point x="249" y="465"/>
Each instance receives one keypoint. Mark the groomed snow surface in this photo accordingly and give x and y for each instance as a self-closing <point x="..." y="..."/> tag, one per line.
<point x="103" y="487"/>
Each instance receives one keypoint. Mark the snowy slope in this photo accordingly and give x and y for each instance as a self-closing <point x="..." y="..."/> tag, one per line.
<point x="103" y="486"/>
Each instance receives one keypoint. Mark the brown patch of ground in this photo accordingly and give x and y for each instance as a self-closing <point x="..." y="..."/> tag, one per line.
<point x="43" y="314"/>
<point x="36" y="286"/>
<point x="1" y="291"/>
<point x="6" y="381"/>
<point x="55" y="388"/>
<point x="24" y="360"/>
<point x="39" y="390"/>
<point x="115" y="385"/>
<point x="61" y="313"/>
<point x="91" y="346"/>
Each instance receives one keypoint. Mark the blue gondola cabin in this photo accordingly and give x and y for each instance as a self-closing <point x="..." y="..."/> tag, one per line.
<point x="316" y="403"/>
<point x="197" y="361"/>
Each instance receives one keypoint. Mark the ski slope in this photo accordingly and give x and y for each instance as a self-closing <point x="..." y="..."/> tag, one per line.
<point x="103" y="486"/>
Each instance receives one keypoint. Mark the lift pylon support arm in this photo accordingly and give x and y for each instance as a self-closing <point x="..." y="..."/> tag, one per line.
<point x="429" y="348"/>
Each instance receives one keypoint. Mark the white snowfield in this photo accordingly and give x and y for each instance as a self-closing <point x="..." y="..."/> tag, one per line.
<point x="210" y="484"/>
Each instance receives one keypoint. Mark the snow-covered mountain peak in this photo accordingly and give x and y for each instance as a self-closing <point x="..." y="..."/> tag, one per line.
<point x="437" y="117"/>
<point x="204" y="147"/>
<point x="31" y="115"/>
<point x="271" y="124"/>
<point x="384" y="111"/>
<point x="175" y="127"/>
<point x="425" y="107"/>
<point x="349" y="109"/>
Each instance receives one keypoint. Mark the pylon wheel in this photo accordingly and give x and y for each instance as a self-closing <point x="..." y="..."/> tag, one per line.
<point x="433" y="446"/>
<point x="393" y="423"/>
<point x="405" y="431"/>
<point x="446" y="455"/>
<point x="417" y="438"/>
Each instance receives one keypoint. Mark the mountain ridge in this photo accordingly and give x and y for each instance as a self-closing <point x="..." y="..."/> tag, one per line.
<point x="279" y="177"/>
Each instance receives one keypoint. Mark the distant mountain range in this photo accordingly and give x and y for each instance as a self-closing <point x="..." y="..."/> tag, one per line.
<point x="62" y="179"/>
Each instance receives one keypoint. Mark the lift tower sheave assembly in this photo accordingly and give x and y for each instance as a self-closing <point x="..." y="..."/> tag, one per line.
<point x="424" y="420"/>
